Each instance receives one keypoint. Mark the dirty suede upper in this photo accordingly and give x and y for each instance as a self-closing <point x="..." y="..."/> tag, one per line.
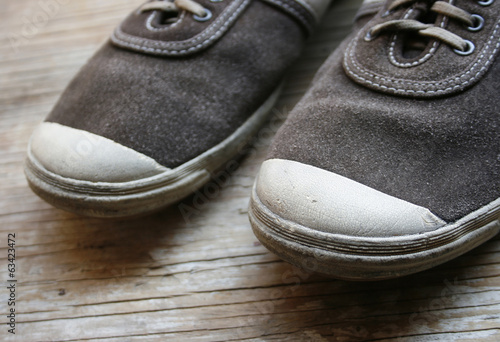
<point x="441" y="152"/>
<point x="173" y="108"/>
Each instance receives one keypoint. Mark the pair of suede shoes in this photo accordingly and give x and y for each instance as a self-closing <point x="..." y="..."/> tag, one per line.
<point x="389" y="165"/>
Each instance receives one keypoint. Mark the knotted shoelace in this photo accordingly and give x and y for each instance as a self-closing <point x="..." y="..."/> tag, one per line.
<point x="472" y="21"/>
<point x="175" y="7"/>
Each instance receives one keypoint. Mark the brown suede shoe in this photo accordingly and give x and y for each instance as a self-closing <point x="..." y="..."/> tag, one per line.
<point x="170" y="99"/>
<point x="390" y="163"/>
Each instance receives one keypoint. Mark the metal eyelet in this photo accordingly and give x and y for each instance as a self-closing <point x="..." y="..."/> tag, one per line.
<point x="485" y="2"/>
<point x="370" y="36"/>
<point x="468" y="50"/>
<point x="206" y="17"/>
<point x="386" y="14"/>
<point x="478" y="23"/>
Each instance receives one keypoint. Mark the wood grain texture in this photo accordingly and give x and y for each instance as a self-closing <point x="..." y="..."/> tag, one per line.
<point x="201" y="276"/>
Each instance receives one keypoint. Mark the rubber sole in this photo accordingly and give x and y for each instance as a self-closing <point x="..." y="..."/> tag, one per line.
<point x="364" y="258"/>
<point x="139" y="197"/>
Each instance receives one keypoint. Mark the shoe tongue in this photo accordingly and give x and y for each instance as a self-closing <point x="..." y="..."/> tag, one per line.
<point x="413" y="45"/>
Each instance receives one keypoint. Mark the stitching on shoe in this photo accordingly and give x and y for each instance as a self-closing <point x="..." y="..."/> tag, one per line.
<point x="307" y="5"/>
<point x="359" y="68"/>
<point x="150" y="27"/>
<point x="194" y="39"/>
<point x="423" y="59"/>
<point x="127" y="41"/>
<point x="295" y="12"/>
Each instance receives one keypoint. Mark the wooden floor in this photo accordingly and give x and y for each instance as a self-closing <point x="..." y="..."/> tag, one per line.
<point x="201" y="277"/>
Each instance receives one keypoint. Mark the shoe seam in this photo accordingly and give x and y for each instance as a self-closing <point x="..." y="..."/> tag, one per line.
<point x="208" y="39"/>
<point x="296" y="13"/>
<point x="309" y="7"/>
<point x="350" y="57"/>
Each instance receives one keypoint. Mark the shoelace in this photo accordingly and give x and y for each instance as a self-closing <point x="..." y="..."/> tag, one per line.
<point x="198" y="10"/>
<point x="473" y="22"/>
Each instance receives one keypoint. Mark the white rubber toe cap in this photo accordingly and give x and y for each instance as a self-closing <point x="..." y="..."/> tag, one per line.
<point x="80" y="155"/>
<point x="322" y="200"/>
